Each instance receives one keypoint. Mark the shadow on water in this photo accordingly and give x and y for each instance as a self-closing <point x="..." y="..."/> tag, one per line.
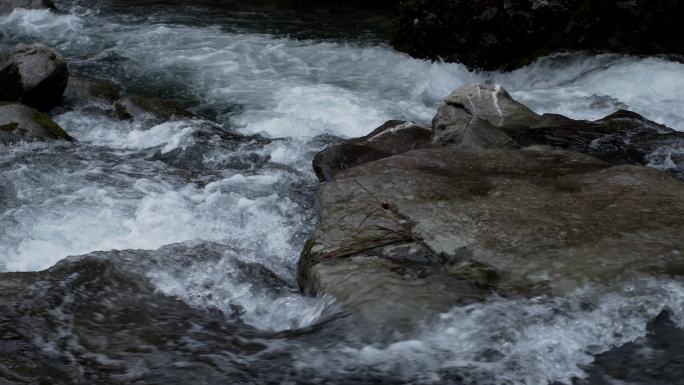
<point x="354" y="20"/>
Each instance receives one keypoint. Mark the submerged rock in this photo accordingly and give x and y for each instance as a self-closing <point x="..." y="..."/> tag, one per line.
<point x="392" y="137"/>
<point x="7" y="6"/>
<point x="150" y="107"/>
<point x="510" y="34"/>
<point x="32" y="74"/>
<point x="22" y="123"/>
<point x="655" y="358"/>
<point x="81" y="90"/>
<point x="210" y="147"/>
<point x="88" y="95"/>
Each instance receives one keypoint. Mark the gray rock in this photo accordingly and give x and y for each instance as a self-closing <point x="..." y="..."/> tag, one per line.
<point x="487" y="117"/>
<point x="81" y="90"/>
<point x="391" y="296"/>
<point x="473" y="115"/>
<point x="620" y="138"/>
<point x="32" y="74"/>
<point x="393" y="137"/>
<point x="22" y="123"/>
<point x="510" y="221"/>
<point x="7" y="6"/>
<point x="91" y="95"/>
<point x="150" y="107"/>
<point x="493" y="104"/>
<point x="491" y="201"/>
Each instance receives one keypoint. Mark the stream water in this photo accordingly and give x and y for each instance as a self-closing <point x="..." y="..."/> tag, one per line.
<point x="149" y="253"/>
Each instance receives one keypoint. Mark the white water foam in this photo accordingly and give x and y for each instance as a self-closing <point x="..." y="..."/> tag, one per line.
<point x="568" y="85"/>
<point x="37" y="24"/>
<point x="79" y="216"/>
<point x="129" y="134"/>
<point x="516" y="342"/>
<point x="220" y="285"/>
<point x="300" y="88"/>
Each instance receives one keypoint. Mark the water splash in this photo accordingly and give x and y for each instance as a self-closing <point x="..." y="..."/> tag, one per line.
<point x="515" y="342"/>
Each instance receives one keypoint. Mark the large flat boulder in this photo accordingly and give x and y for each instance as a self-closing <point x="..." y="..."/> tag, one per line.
<point x="407" y="236"/>
<point x="33" y="74"/>
<point x="494" y="199"/>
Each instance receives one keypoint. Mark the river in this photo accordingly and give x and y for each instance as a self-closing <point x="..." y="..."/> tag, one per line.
<point x="171" y="256"/>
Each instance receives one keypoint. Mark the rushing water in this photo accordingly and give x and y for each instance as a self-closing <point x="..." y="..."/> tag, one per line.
<point x="184" y="246"/>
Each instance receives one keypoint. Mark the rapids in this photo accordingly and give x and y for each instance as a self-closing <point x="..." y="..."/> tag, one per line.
<point x="171" y="258"/>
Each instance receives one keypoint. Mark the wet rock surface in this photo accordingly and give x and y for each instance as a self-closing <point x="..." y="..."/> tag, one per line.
<point x="391" y="138"/>
<point x="654" y="358"/>
<point x="89" y="94"/>
<point x="33" y="74"/>
<point x="484" y="116"/>
<point x="150" y="107"/>
<point x="97" y="296"/>
<point x="503" y="201"/>
<point x="20" y="123"/>
<point x="510" y="34"/>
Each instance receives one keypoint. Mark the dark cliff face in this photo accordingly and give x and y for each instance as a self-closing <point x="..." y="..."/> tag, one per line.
<point x="498" y="34"/>
<point x="298" y="19"/>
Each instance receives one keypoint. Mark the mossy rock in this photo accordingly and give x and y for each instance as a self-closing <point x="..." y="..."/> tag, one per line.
<point x="21" y="123"/>
<point x="9" y="127"/>
<point x="479" y="273"/>
<point x="51" y="128"/>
